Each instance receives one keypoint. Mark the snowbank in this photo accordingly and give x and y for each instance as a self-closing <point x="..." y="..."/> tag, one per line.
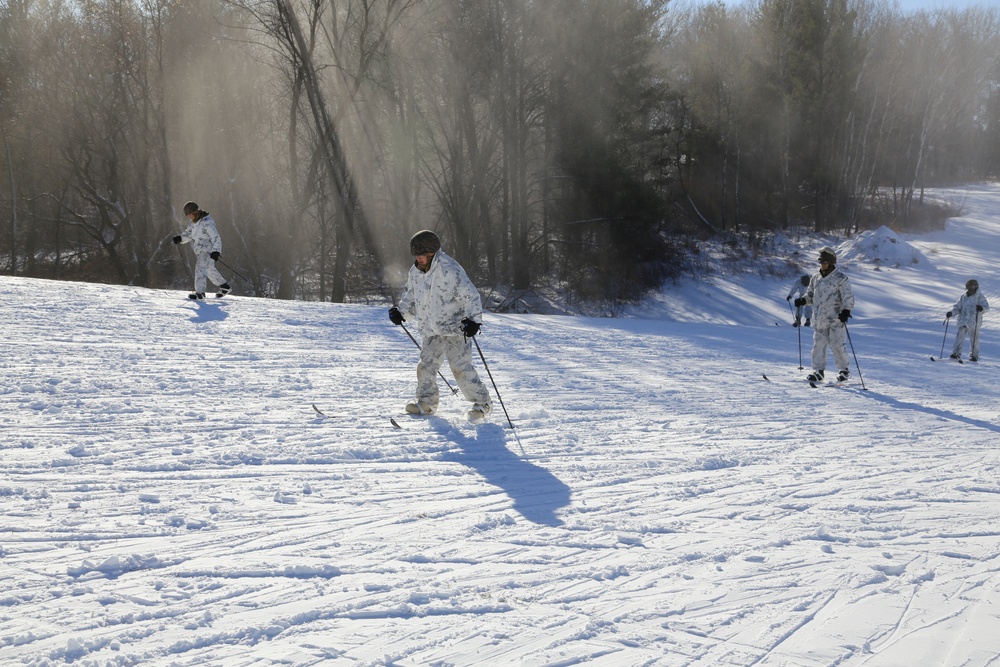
<point x="881" y="247"/>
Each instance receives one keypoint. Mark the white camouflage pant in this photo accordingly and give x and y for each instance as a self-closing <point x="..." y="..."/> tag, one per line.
<point x="458" y="351"/>
<point x="834" y="338"/>
<point x="960" y="335"/>
<point x="205" y="268"/>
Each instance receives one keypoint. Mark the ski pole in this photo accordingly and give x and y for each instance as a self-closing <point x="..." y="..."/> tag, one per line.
<point x="860" y="377"/>
<point x="944" y="340"/>
<point x="974" y="343"/>
<point x="238" y="274"/>
<point x="486" y="366"/>
<point x="453" y="390"/>
<point x="799" y="329"/>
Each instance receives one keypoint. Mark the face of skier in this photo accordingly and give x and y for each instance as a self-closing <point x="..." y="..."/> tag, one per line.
<point x="424" y="260"/>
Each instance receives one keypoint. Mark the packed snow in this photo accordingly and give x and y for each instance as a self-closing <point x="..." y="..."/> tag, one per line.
<point x="171" y="496"/>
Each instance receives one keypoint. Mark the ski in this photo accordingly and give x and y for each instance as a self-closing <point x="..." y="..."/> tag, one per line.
<point x="946" y="359"/>
<point x="325" y="416"/>
<point x="831" y="383"/>
<point x="767" y="379"/>
<point x="472" y="416"/>
<point x="816" y="384"/>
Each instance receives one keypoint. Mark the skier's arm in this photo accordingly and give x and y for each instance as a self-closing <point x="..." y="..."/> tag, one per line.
<point x="957" y="308"/>
<point x="846" y="295"/>
<point x="213" y="236"/>
<point x="471" y="302"/>
<point x="406" y="305"/>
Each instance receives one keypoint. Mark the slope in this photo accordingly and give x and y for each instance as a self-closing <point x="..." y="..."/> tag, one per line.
<point x="171" y="497"/>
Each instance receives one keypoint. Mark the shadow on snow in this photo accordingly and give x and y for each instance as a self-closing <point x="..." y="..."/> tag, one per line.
<point x="937" y="412"/>
<point x="538" y="495"/>
<point x="208" y="312"/>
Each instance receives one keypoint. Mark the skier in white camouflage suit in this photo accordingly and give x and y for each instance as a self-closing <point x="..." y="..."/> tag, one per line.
<point x="207" y="246"/>
<point x="967" y="312"/>
<point x="830" y="295"/>
<point x="441" y="296"/>
<point x="798" y="290"/>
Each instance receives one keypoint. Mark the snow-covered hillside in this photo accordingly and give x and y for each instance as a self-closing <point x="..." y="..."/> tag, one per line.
<point x="171" y="497"/>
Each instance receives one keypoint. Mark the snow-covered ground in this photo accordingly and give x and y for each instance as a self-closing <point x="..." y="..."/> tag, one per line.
<point x="170" y="496"/>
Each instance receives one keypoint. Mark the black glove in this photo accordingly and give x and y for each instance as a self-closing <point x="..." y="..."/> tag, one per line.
<point x="788" y="298"/>
<point x="949" y="314"/>
<point x="979" y="308"/>
<point x="800" y="302"/>
<point x="178" y="239"/>
<point x="215" y="254"/>
<point x="395" y="316"/>
<point x="470" y="328"/>
<point x="845" y="315"/>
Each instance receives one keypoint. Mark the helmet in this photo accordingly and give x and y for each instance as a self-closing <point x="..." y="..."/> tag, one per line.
<point x="424" y="242"/>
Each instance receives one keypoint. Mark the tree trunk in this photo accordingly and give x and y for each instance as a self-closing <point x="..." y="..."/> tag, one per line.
<point x="353" y="217"/>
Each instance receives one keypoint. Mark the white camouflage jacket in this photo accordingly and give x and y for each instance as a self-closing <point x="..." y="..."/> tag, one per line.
<point x="829" y="295"/>
<point x="203" y="235"/>
<point x="965" y="311"/>
<point x="441" y="297"/>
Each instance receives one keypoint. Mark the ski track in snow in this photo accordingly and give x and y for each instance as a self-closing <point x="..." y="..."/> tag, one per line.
<point x="171" y="497"/>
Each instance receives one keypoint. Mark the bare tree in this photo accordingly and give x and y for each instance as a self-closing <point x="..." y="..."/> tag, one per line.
<point x="335" y="66"/>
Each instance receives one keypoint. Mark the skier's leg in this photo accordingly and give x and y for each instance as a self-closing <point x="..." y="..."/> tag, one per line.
<point x="460" y="360"/>
<point x="974" y="342"/>
<point x="838" y="345"/>
<point x="432" y="355"/>
<point x="956" y="349"/>
<point x="821" y="339"/>
<point x="214" y="275"/>
<point x="201" y="271"/>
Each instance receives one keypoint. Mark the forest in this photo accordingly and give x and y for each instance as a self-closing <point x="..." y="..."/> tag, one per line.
<point x="581" y="146"/>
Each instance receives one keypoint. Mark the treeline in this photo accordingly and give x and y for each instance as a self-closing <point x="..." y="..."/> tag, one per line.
<point x="573" y="144"/>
